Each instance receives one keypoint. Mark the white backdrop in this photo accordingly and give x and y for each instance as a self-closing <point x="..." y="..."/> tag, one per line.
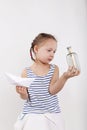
<point x="20" y="22"/>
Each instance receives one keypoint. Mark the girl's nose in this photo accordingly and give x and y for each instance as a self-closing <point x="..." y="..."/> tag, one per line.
<point x="52" y="54"/>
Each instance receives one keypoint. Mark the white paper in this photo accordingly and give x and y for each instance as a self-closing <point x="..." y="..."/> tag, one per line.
<point x="19" y="81"/>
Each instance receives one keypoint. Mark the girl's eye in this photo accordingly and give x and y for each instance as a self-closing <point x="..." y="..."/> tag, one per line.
<point x="54" y="52"/>
<point x="49" y="50"/>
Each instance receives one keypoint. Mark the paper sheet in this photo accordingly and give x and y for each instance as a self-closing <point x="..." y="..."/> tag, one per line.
<point x="18" y="81"/>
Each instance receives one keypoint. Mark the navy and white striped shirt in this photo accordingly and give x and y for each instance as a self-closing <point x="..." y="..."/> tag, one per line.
<point x="41" y="101"/>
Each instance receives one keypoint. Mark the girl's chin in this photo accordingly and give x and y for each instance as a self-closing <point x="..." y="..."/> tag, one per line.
<point x="49" y="60"/>
<point x="46" y="61"/>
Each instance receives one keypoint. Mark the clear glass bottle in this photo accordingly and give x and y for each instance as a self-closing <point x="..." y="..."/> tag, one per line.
<point x="72" y="58"/>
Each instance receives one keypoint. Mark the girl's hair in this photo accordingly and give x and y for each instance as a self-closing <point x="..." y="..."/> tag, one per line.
<point x="38" y="40"/>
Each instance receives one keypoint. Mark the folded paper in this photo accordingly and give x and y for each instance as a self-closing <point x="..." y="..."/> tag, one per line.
<point x="18" y="81"/>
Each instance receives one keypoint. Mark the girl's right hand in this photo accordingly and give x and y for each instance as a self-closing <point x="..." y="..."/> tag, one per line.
<point x="22" y="91"/>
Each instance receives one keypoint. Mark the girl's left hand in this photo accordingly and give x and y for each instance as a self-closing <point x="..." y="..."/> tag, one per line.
<point x="71" y="72"/>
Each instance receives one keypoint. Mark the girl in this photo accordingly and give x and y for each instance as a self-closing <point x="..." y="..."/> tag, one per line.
<point x="41" y="110"/>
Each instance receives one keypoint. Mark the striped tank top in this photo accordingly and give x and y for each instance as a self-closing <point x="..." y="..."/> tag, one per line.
<point x="41" y="101"/>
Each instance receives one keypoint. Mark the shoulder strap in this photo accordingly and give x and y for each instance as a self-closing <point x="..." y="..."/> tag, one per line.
<point x="55" y="75"/>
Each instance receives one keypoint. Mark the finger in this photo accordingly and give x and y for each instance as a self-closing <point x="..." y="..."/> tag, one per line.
<point x="70" y="68"/>
<point x="73" y="70"/>
<point x="18" y="88"/>
<point x="77" y="72"/>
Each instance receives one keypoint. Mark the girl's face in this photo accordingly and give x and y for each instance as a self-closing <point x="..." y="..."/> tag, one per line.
<point x="45" y="52"/>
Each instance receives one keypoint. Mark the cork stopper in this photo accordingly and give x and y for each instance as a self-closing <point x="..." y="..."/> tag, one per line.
<point x="69" y="49"/>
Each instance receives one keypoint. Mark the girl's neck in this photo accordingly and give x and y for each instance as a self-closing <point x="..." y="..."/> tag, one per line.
<point x="41" y="65"/>
<point x="40" y="69"/>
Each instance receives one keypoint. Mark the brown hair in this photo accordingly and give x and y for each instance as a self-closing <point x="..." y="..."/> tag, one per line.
<point x="39" y="39"/>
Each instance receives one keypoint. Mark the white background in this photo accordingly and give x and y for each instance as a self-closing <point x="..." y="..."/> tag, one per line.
<point x="20" y="22"/>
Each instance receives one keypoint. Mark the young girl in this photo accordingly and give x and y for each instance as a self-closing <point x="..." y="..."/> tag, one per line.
<point x="41" y="110"/>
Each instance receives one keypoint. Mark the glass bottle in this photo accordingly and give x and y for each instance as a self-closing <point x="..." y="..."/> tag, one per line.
<point x="72" y="58"/>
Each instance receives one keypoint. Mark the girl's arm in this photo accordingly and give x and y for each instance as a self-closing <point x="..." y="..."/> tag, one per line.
<point x="58" y="83"/>
<point x="23" y="90"/>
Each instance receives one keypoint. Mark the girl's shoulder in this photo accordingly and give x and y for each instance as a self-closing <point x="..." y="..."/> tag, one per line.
<point x="55" y="67"/>
<point x="24" y="73"/>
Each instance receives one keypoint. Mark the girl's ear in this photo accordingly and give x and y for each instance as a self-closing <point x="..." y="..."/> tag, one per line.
<point x="35" y="49"/>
